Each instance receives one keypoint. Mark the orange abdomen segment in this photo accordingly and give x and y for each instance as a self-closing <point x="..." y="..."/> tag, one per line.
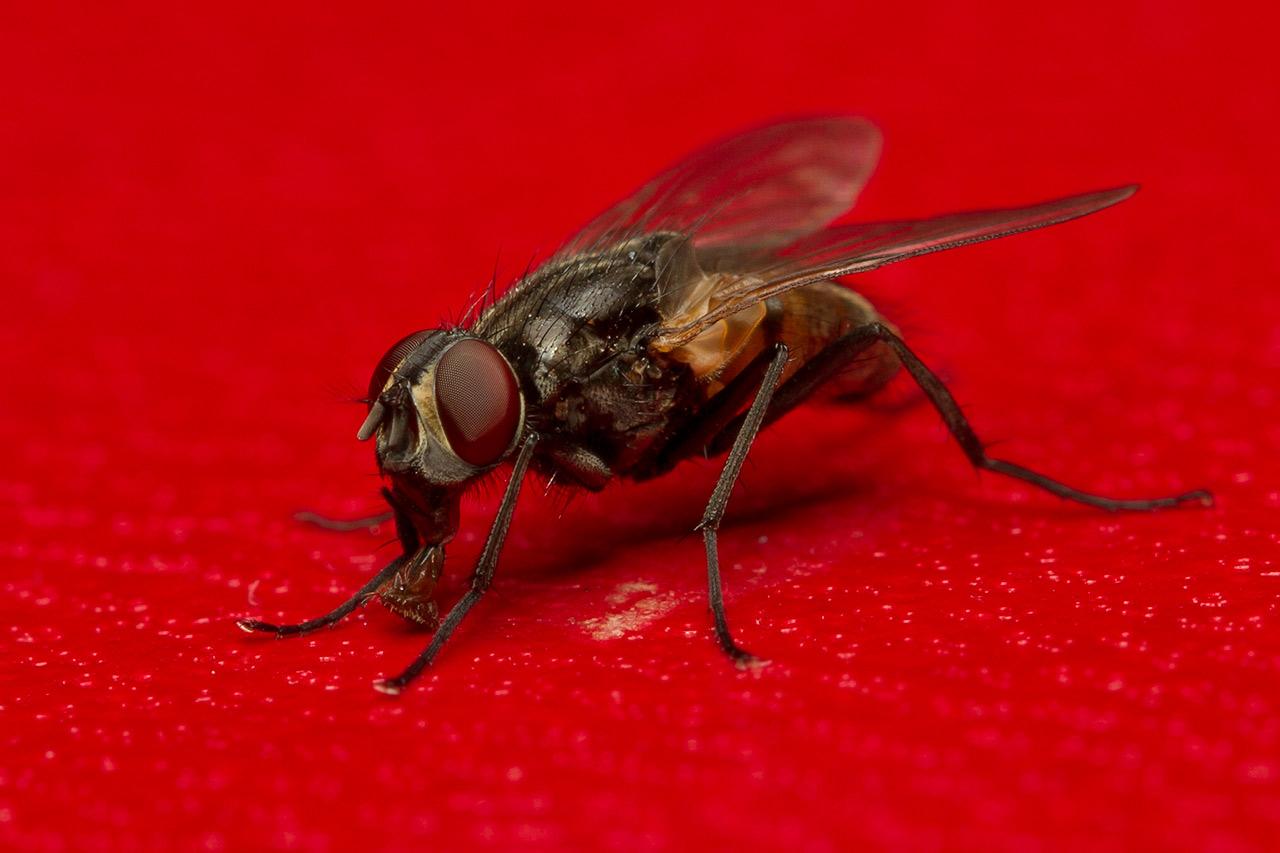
<point x="814" y="317"/>
<point x="807" y="320"/>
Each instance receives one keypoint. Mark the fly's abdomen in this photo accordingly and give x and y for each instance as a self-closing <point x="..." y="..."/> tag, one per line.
<point x="812" y="318"/>
<point x="807" y="320"/>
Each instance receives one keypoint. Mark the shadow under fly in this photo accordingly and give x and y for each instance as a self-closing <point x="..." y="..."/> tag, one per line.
<point x="676" y="324"/>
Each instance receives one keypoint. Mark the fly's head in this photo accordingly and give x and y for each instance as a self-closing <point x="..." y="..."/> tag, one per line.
<point x="444" y="408"/>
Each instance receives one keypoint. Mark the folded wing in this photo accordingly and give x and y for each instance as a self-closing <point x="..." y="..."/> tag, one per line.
<point x="848" y="249"/>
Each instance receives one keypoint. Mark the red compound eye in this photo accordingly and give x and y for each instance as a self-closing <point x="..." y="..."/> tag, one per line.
<point x="388" y="363"/>
<point x="478" y="401"/>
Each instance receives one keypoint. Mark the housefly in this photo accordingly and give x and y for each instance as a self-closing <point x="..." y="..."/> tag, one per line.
<point x="676" y="324"/>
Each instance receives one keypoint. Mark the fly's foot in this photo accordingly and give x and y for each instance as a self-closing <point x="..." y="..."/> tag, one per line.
<point x="742" y="659"/>
<point x="747" y="662"/>
<point x="1204" y="497"/>
<point x="389" y="686"/>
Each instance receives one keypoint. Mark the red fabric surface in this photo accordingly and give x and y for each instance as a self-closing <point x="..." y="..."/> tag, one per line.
<point x="213" y="222"/>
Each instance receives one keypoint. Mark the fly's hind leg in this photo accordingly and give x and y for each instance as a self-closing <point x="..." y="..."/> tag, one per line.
<point x="747" y="429"/>
<point x="821" y="368"/>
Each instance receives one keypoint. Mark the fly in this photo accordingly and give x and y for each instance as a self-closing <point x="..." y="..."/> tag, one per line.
<point x="677" y="324"/>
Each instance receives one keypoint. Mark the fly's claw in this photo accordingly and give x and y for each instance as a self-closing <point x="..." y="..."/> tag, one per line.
<point x="387" y="686"/>
<point x="256" y="626"/>
<point x="747" y="662"/>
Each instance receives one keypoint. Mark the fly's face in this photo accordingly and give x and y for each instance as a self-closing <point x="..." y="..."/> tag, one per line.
<point x="445" y="407"/>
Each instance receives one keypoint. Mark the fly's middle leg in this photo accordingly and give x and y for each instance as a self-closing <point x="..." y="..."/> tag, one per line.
<point x="753" y="419"/>
<point x="698" y="437"/>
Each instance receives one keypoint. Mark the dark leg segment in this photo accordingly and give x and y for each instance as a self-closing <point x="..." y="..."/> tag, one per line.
<point x="711" y="519"/>
<point x="841" y="352"/>
<point x="409" y="545"/>
<point x="362" y="595"/>
<point x="481" y="578"/>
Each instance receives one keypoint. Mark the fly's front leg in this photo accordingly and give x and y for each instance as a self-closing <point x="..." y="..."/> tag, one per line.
<point x="362" y="595"/>
<point x="410" y="546"/>
<point x="481" y="578"/>
<point x="746" y="433"/>
<point x="825" y="365"/>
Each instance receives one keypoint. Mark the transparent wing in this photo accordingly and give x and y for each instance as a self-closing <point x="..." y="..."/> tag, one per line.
<point x="760" y="189"/>
<point x="848" y="249"/>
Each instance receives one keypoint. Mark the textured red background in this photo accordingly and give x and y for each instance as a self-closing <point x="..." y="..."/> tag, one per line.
<point x="212" y="224"/>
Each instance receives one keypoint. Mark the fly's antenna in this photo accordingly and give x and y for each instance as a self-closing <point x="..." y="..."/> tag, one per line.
<point x="371" y="422"/>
